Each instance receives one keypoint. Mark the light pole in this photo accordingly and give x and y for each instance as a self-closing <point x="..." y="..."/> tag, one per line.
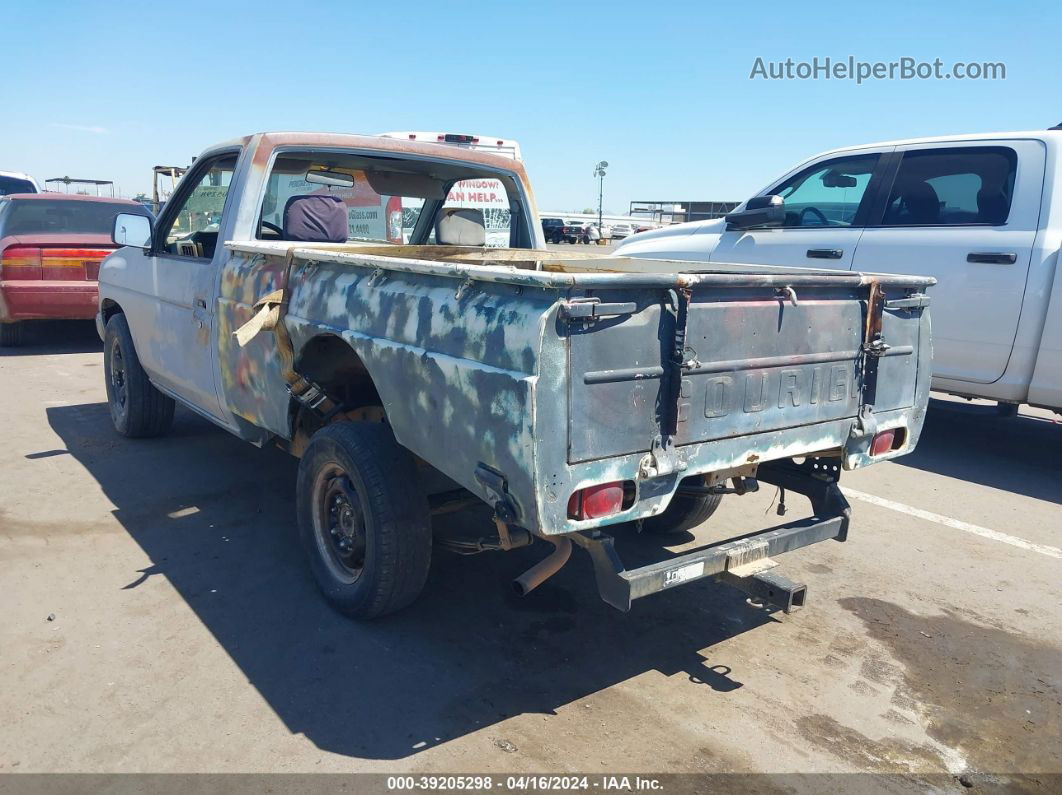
<point x="599" y="172"/>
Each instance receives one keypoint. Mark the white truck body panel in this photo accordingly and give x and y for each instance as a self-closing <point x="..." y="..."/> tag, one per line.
<point x="997" y="326"/>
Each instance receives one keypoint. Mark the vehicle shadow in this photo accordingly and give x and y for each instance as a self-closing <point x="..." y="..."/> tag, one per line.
<point x="215" y="516"/>
<point x="43" y="337"/>
<point x="972" y="443"/>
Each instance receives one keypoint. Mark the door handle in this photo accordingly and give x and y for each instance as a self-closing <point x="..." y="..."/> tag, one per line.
<point x="199" y="312"/>
<point x="992" y="257"/>
<point x="825" y="253"/>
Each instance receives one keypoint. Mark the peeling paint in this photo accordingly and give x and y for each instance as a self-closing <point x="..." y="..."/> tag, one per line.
<point x="476" y="364"/>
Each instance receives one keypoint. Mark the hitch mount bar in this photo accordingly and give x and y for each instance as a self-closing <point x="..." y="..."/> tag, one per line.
<point x="740" y="562"/>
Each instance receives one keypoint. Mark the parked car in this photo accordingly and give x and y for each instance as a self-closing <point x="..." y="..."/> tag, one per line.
<point x="980" y="213"/>
<point x="414" y="378"/>
<point x="559" y="230"/>
<point x="622" y="230"/>
<point x="593" y="234"/>
<point x="51" y="246"/>
<point x="17" y="182"/>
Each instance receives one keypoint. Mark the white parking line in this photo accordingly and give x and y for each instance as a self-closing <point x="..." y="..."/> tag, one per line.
<point x="977" y="530"/>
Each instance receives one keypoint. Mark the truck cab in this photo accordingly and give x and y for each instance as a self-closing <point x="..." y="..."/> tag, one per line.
<point x="980" y="213"/>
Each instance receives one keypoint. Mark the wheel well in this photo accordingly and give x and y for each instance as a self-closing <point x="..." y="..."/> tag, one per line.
<point x="330" y="362"/>
<point x="109" y="309"/>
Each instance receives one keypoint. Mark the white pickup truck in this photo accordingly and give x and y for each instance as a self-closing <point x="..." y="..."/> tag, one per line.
<point x="981" y="213"/>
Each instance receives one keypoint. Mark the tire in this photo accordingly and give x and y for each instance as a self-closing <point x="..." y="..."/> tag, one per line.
<point x="138" y="409"/>
<point x="1006" y="409"/>
<point x="684" y="513"/>
<point x="363" y="519"/>
<point x="10" y="335"/>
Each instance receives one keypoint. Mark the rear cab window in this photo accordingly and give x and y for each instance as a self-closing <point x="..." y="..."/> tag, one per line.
<point x="385" y="199"/>
<point x="953" y="186"/>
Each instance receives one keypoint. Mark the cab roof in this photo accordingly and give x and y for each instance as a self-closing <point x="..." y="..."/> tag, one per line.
<point x="267" y="141"/>
<point x="1053" y="136"/>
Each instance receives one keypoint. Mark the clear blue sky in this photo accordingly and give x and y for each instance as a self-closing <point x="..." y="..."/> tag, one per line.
<point x="660" y="90"/>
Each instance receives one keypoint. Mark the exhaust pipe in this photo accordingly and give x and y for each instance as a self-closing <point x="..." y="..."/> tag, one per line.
<point x="546" y="568"/>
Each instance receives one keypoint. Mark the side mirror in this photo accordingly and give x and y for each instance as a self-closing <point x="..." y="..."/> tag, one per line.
<point x="759" y="211"/>
<point x="131" y="229"/>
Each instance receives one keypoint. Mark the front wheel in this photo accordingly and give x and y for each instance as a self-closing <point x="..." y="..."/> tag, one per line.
<point x="363" y="519"/>
<point x="138" y="409"/>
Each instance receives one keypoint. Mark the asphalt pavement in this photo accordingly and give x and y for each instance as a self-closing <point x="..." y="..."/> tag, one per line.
<point x="158" y="616"/>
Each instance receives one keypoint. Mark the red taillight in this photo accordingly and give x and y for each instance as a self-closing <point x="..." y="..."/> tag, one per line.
<point x="72" y="264"/>
<point x="62" y="264"/>
<point x="21" y="262"/>
<point x="593" y="502"/>
<point x="887" y="441"/>
<point x="58" y="257"/>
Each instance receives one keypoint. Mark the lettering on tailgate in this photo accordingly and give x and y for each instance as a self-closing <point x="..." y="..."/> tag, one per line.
<point x="752" y="392"/>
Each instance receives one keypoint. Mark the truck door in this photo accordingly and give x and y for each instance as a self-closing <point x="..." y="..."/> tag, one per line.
<point x="173" y="325"/>
<point x="966" y="213"/>
<point x="826" y="205"/>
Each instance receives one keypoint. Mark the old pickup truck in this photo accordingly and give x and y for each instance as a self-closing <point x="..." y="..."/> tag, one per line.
<point x="419" y="374"/>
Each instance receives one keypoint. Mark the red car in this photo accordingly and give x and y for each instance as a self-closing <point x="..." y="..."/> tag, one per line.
<point x="51" y="245"/>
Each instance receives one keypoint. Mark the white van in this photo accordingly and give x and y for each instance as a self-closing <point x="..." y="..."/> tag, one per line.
<point x="981" y="213"/>
<point x="17" y="182"/>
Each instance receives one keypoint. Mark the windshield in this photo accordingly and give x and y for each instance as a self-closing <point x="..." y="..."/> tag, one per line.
<point x="15" y="185"/>
<point x="34" y="216"/>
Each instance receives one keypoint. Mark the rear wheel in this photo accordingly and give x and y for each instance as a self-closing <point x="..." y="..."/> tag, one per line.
<point x="363" y="519"/>
<point x="684" y="513"/>
<point x="138" y="409"/>
<point x="10" y="335"/>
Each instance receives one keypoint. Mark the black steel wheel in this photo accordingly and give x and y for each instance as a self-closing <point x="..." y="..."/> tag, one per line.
<point x="137" y="408"/>
<point x="339" y="523"/>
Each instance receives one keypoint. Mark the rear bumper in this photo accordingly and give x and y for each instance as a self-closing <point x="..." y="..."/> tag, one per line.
<point x="737" y="562"/>
<point x="43" y="300"/>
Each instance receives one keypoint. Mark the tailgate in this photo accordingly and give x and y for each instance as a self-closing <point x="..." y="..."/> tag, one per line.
<point x="716" y="362"/>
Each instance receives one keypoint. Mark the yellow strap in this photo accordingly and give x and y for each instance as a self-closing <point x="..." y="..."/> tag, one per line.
<point x="264" y="318"/>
